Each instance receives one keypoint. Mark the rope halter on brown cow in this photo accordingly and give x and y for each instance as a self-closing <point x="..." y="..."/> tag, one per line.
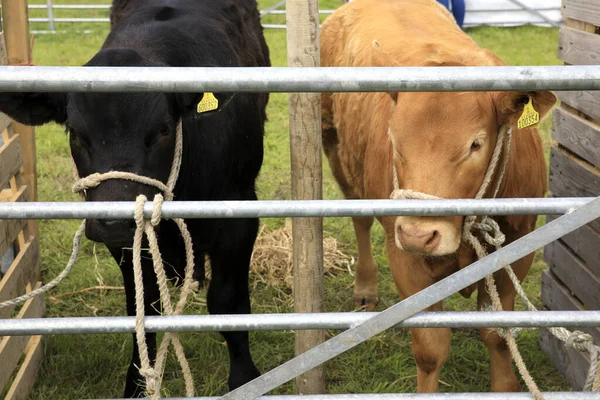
<point x="153" y="376"/>
<point x="491" y="233"/>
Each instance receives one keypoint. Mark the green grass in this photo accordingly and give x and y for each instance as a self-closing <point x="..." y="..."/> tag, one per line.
<point x="95" y="365"/>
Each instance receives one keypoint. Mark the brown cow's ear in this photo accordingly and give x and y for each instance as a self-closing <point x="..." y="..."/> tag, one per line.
<point x="510" y="105"/>
<point x="382" y="59"/>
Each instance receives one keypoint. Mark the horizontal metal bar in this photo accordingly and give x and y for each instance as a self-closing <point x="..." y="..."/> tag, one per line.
<point x="421" y="396"/>
<point x="293" y="208"/>
<point x="70" y="20"/>
<point x="326" y="12"/>
<point x="295" y="321"/>
<point x="274" y="26"/>
<point x="284" y="12"/>
<point x="273" y="12"/>
<point x="69" y="6"/>
<point x="299" y="79"/>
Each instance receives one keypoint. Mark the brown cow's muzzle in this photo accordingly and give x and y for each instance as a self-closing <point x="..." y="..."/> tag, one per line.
<point x="431" y="236"/>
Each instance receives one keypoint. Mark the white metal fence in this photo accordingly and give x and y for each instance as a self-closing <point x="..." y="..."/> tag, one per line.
<point x="489" y="12"/>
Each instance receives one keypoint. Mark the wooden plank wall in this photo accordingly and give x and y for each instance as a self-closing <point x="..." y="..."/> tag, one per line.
<point x="573" y="280"/>
<point x="20" y="356"/>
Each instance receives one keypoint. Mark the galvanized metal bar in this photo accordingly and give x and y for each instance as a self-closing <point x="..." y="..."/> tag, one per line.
<point x="422" y="396"/>
<point x="294" y="208"/>
<point x="549" y="8"/>
<point x="284" y="12"/>
<point x="70" y="6"/>
<point x="294" y="321"/>
<point x="417" y="302"/>
<point x="263" y="12"/>
<point x="70" y="20"/>
<point x="299" y="79"/>
<point x="274" y="26"/>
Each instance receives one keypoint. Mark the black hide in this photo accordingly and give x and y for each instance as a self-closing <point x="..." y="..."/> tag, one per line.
<point x="135" y="132"/>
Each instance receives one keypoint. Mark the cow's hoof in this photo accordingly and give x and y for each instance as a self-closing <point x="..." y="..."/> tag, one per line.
<point x="364" y="303"/>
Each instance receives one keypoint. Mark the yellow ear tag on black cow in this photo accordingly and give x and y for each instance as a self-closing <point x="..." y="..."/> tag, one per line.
<point x="208" y="103"/>
<point x="529" y="117"/>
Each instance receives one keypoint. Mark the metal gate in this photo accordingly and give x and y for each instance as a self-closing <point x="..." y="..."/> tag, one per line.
<point x="360" y="327"/>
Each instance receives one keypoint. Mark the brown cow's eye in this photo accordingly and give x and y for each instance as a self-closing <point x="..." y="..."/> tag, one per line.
<point x="476" y="145"/>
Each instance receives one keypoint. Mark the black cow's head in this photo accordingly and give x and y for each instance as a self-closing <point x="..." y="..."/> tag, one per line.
<point x="132" y="132"/>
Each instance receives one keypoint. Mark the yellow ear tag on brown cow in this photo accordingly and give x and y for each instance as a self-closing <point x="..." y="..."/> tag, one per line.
<point x="529" y="117"/>
<point x="208" y="103"/>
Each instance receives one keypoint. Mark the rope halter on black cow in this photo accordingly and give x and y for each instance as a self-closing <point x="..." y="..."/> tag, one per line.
<point x="153" y="376"/>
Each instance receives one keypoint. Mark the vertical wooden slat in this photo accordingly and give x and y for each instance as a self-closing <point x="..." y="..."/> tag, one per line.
<point x="18" y="50"/>
<point x="12" y="347"/>
<point x="19" y="390"/>
<point x="305" y="141"/>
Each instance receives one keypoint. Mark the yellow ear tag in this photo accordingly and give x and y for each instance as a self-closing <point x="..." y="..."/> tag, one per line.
<point x="208" y="103"/>
<point x="529" y="117"/>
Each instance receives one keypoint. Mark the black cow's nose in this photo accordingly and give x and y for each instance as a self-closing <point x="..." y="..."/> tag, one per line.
<point x="117" y="224"/>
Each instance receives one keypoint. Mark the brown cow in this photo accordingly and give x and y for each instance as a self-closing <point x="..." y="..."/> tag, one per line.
<point x="439" y="144"/>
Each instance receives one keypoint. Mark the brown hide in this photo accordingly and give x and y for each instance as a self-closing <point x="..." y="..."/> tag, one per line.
<point x="439" y="143"/>
<point x="355" y="125"/>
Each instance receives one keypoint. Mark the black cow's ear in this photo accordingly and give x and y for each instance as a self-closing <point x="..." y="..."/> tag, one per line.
<point x="34" y="109"/>
<point x="204" y="104"/>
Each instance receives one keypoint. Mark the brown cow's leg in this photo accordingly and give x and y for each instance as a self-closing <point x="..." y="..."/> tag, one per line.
<point x="430" y="349"/>
<point x="503" y="378"/>
<point x="430" y="346"/>
<point x="365" y="284"/>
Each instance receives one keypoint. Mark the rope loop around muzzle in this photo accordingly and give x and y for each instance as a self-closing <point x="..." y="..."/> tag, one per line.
<point x="153" y="375"/>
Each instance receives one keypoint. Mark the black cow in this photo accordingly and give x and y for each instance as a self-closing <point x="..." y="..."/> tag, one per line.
<point x="135" y="132"/>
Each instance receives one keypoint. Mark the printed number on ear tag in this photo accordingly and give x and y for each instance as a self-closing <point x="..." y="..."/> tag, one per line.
<point x="529" y="117"/>
<point x="208" y="103"/>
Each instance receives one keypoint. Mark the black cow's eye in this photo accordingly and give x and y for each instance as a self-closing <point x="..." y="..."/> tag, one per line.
<point x="156" y="135"/>
<point x="476" y="145"/>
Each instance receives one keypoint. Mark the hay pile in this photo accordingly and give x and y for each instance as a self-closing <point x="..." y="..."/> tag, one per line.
<point x="272" y="256"/>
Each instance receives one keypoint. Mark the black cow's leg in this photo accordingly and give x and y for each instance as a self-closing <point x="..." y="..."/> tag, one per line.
<point x="228" y="294"/>
<point x="135" y="384"/>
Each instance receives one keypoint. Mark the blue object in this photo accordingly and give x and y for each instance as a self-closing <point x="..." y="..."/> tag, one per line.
<point x="457" y="9"/>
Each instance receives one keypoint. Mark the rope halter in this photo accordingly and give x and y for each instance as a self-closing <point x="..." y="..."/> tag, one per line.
<point x="153" y="375"/>
<point x="486" y="224"/>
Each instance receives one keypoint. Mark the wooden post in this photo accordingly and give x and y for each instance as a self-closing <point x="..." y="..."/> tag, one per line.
<point x="305" y="141"/>
<point x="18" y="49"/>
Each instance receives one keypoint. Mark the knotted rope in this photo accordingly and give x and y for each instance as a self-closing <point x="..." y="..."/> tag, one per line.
<point x="491" y="233"/>
<point x="152" y="375"/>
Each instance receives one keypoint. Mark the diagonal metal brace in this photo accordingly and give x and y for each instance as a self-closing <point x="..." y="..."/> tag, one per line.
<point x="417" y="302"/>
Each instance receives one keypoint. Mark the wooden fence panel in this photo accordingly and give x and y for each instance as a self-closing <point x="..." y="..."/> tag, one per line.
<point x="582" y="10"/>
<point x="577" y="134"/>
<point x="18" y="235"/>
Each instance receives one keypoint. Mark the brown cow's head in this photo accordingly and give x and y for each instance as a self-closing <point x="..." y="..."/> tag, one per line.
<point x="442" y="145"/>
